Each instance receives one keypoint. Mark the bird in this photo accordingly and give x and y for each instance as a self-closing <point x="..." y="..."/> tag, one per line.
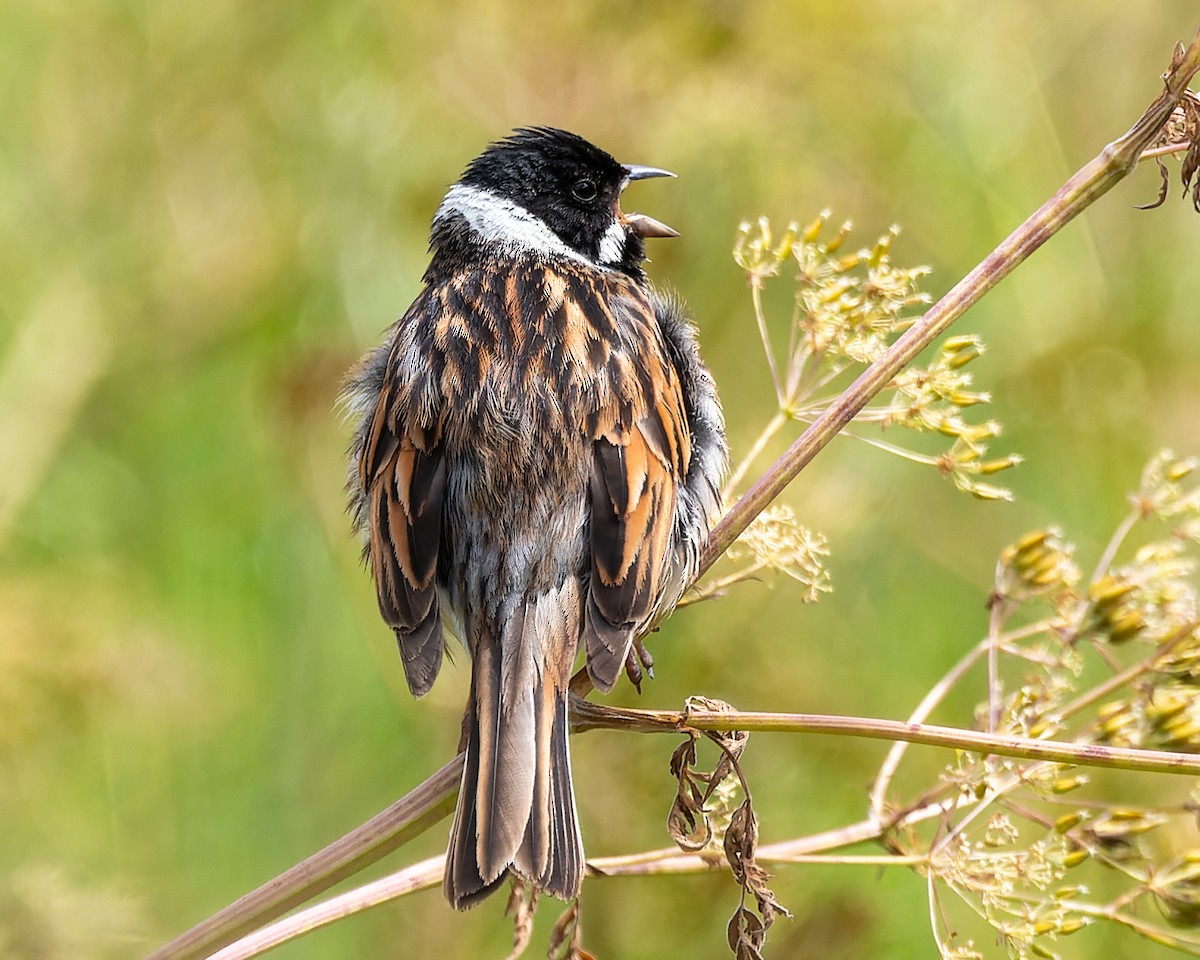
<point x="537" y="461"/>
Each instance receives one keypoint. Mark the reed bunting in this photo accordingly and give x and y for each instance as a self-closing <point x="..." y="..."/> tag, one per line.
<point x="538" y="458"/>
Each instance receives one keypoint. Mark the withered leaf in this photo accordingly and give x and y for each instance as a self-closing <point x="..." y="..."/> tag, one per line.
<point x="711" y="704"/>
<point x="1191" y="162"/>
<point x="684" y="757"/>
<point x="746" y="935"/>
<point x="565" y="936"/>
<point x="1163" y="188"/>
<point x="732" y="742"/>
<point x="686" y="822"/>
<point x="521" y="906"/>
<point x="1182" y="128"/>
<point x="741" y="840"/>
<point x="768" y="906"/>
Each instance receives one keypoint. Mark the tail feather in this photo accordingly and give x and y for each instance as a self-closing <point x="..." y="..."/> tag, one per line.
<point x="516" y="807"/>
<point x="504" y="790"/>
<point x="463" y="882"/>
<point x="536" y="845"/>
<point x="563" y="873"/>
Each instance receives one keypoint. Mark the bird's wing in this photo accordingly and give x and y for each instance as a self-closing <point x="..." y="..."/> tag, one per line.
<point x="403" y="478"/>
<point x="639" y="458"/>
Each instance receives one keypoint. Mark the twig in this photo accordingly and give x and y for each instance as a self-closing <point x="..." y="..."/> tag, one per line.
<point x="935" y="696"/>
<point x="408" y="817"/>
<point x="1114" y="683"/>
<point x="1164" y="150"/>
<point x="1091" y="182"/>
<point x="420" y="876"/>
<point x="594" y="716"/>
<point x="773" y="427"/>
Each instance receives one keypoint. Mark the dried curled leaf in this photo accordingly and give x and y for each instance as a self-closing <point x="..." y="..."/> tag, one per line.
<point x="1182" y="129"/>
<point x="741" y="840"/>
<point x="686" y="823"/>
<point x="746" y="935"/>
<point x="521" y="906"/>
<point x="566" y="936"/>
<point x="684" y="757"/>
<point x="731" y="742"/>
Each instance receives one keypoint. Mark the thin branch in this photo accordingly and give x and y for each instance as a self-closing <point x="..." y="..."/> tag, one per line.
<point x="1164" y="150"/>
<point x="420" y="876"/>
<point x="773" y="427"/>
<point x="594" y="716"/>
<point x="672" y="860"/>
<point x="1116" y="682"/>
<point x="760" y="319"/>
<point x="1091" y="182"/>
<point x="935" y="696"/>
<point x="408" y="817"/>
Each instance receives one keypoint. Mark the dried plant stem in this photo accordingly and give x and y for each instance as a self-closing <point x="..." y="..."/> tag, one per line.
<point x="1114" y="544"/>
<point x="593" y="716"/>
<point x="655" y="862"/>
<point x="1165" y="150"/>
<point x="433" y="800"/>
<point x="420" y="876"/>
<point x="1090" y="183"/>
<point x="671" y="860"/>
<point x="408" y="817"/>
<point x="1119" y="680"/>
<point x="799" y="850"/>
<point x="796" y="850"/>
<point x="756" y="296"/>
<point x="773" y="427"/>
<point x="935" y="696"/>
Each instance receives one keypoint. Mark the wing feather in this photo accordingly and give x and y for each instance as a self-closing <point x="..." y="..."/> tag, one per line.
<point x="403" y="472"/>
<point x="639" y="461"/>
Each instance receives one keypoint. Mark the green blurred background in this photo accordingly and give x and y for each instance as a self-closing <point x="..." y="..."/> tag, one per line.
<point x="208" y="211"/>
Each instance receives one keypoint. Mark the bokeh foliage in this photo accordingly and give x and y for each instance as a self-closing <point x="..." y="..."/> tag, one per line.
<point x="208" y="210"/>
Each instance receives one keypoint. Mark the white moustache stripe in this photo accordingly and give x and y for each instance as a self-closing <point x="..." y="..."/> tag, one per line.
<point x="612" y="244"/>
<point x="497" y="220"/>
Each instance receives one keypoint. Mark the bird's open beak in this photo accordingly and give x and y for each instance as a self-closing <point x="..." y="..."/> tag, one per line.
<point x="639" y="223"/>
<point x="635" y="171"/>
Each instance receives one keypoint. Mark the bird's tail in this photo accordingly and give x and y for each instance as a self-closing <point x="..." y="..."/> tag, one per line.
<point x="516" y="807"/>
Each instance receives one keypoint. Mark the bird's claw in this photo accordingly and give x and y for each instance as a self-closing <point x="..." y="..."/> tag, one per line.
<point x="638" y="658"/>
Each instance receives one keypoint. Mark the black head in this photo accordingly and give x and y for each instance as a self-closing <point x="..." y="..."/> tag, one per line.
<point x="543" y="187"/>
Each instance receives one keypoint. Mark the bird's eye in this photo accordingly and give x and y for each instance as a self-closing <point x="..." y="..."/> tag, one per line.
<point x="584" y="190"/>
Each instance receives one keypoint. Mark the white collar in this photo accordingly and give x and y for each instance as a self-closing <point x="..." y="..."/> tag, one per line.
<point x="499" y="221"/>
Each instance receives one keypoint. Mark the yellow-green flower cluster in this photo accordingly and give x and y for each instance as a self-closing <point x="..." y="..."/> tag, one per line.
<point x="1039" y="564"/>
<point x="1012" y="882"/>
<point x="776" y="540"/>
<point x="848" y="309"/>
<point x="1164" y="717"/>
